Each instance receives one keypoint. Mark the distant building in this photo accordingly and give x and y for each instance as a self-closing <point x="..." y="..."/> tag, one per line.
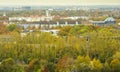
<point x="26" y="8"/>
<point x="54" y="32"/>
<point x="76" y="17"/>
<point x="37" y="18"/>
<point x="107" y="21"/>
<point x="110" y="20"/>
<point x="45" y="24"/>
<point x="17" y="9"/>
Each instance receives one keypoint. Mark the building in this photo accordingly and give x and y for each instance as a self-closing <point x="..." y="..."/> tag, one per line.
<point x="37" y="18"/>
<point x="106" y="22"/>
<point x="47" y="25"/>
<point x="53" y="32"/>
<point x="76" y="17"/>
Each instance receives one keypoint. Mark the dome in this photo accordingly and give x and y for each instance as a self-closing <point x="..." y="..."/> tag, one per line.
<point x="109" y="19"/>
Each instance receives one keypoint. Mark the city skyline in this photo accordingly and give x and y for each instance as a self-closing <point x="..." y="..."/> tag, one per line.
<point x="59" y="2"/>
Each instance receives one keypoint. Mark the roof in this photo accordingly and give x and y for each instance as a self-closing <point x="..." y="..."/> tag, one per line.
<point x="109" y="19"/>
<point x="98" y="22"/>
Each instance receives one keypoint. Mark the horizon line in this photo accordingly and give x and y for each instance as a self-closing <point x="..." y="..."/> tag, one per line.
<point x="68" y="5"/>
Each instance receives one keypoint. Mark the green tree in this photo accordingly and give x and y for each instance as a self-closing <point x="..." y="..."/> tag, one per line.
<point x="8" y="65"/>
<point x="79" y="30"/>
<point x="83" y="63"/>
<point x="64" y="31"/>
<point x="11" y="27"/>
<point x="97" y="65"/>
<point x="65" y="64"/>
<point x="116" y="55"/>
<point x="106" y="67"/>
<point x="33" y="66"/>
<point x="115" y="65"/>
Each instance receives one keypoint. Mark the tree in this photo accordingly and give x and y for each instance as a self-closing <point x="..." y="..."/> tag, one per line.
<point x="115" y="65"/>
<point x="116" y="55"/>
<point x="33" y="66"/>
<point x="65" y="64"/>
<point x="83" y="63"/>
<point x="2" y="28"/>
<point x="51" y="67"/>
<point x="8" y="65"/>
<point x="64" y="31"/>
<point x="106" y="67"/>
<point x="79" y="30"/>
<point x="97" y="65"/>
<point x="11" y="27"/>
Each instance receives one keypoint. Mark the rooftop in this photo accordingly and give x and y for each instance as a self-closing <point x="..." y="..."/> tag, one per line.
<point x="109" y="19"/>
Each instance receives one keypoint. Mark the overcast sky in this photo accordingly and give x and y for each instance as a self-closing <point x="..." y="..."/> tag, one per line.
<point x="59" y="2"/>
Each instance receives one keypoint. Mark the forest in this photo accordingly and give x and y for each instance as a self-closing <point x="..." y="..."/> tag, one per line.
<point x="76" y="49"/>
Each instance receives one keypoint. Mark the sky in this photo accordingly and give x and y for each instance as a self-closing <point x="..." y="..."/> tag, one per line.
<point x="59" y="2"/>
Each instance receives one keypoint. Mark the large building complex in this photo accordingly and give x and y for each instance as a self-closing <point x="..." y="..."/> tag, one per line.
<point x="107" y="21"/>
